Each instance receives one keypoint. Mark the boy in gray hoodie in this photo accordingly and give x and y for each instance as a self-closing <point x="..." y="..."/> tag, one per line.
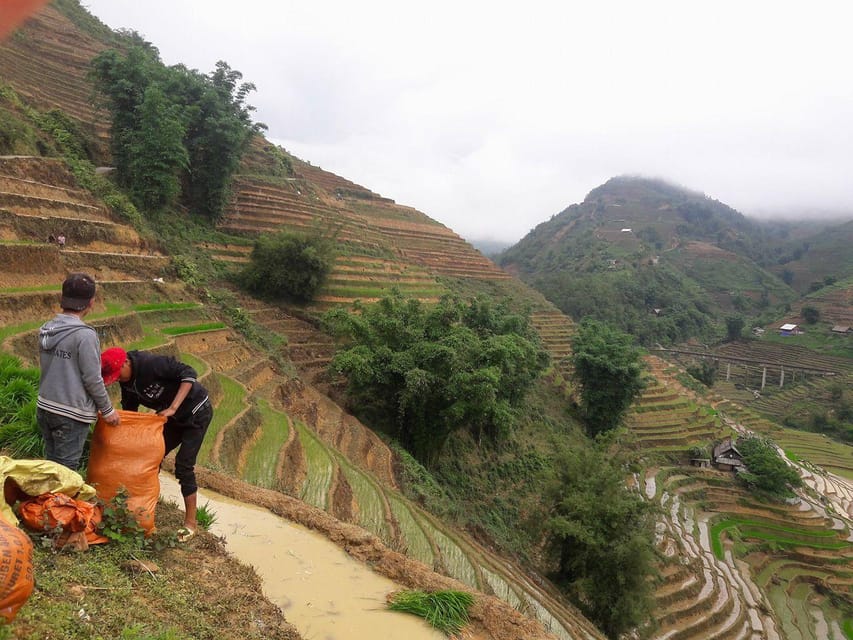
<point x="71" y="389"/>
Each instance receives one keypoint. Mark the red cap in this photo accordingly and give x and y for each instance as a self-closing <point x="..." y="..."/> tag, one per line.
<point x="112" y="361"/>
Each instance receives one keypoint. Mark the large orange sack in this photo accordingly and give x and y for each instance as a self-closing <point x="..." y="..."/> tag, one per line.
<point x="129" y="456"/>
<point x="16" y="569"/>
<point x="51" y="511"/>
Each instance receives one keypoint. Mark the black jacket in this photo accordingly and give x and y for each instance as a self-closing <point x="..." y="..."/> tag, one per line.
<point x="154" y="383"/>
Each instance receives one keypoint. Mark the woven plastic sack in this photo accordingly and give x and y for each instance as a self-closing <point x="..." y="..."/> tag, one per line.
<point x="29" y="478"/>
<point x="16" y="569"/>
<point x="53" y="511"/>
<point x="129" y="456"/>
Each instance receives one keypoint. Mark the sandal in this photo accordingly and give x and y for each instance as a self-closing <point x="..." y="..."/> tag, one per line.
<point x="185" y="534"/>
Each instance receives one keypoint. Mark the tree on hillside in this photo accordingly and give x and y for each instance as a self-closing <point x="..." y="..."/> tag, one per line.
<point x="288" y="266"/>
<point x="608" y="366"/>
<point x="766" y="470"/>
<point x="174" y="125"/>
<point x="218" y="131"/>
<point x="810" y="314"/>
<point x="602" y="539"/>
<point x="157" y="155"/>
<point x="422" y="372"/>
<point x="734" y="328"/>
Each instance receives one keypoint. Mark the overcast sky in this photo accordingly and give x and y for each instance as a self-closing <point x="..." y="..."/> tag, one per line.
<point x="491" y="117"/>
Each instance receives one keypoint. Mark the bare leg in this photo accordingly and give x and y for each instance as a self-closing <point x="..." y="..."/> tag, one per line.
<point x="190" y="507"/>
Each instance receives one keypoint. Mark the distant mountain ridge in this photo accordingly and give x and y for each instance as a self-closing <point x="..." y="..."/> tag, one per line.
<point x="663" y="262"/>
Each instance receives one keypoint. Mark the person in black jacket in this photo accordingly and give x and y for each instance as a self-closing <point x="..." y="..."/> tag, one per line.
<point x="170" y="388"/>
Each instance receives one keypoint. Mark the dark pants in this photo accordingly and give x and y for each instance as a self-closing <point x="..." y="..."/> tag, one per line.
<point x="188" y="435"/>
<point x="64" y="438"/>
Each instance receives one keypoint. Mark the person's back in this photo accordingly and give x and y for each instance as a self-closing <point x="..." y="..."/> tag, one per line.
<point x="71" y="389"/>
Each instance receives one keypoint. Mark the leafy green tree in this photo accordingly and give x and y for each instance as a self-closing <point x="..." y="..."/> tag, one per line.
<point x="174" y="126"/>
<point x="157" y="153"/>
<point x="608" y="367"/>
<point x="810" y="314"/>
<point x="766" y="470"/>
<point x="422" y="372"/>
<point x="704" y="371"/>
<point x="218" y="131"/>
<point x="120" y="83"/>
<point x="289" y="266"/>
<point x="734" y="328"/>
<point x="602" y="540"/>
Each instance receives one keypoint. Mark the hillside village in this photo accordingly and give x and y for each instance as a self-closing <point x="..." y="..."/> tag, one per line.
<point x="729" y="563"/>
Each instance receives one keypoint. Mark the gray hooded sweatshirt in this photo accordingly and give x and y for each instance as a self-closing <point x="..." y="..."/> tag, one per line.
<point x="70" y="358"/>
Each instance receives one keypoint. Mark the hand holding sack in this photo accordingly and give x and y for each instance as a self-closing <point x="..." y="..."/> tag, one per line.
<point x="129" y="456"/>
<point x="16" y="570"/>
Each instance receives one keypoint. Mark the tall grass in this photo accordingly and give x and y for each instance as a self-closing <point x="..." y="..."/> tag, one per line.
<point x="447" y="610"/>
<point x="19" y="434"/>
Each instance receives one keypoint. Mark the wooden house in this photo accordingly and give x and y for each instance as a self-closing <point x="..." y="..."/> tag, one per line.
<point x="726" y="457"/>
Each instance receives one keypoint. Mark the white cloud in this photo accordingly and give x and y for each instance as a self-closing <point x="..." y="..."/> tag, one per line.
<point x="491" y="118"/>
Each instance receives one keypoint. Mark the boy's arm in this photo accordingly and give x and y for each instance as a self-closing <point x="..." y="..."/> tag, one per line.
<point x="89" y="364"/>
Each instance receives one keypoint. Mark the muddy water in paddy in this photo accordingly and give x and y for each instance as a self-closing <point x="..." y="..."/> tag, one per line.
<point x="322" y="591"/>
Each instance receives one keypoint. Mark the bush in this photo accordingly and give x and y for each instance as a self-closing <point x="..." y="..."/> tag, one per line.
<point x="289" y="266"/>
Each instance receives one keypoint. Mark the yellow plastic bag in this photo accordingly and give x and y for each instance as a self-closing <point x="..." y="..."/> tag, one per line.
<point x="35" y="477"/>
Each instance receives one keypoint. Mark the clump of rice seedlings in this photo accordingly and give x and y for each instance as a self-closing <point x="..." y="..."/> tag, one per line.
<point x="446" y="610"/>
<point x="205" y="516"/>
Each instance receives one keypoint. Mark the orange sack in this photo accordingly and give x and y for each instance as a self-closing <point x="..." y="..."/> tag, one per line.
<point x="16" y="570"/>
<point x="51" y="511"/>
<point x="129" y="456"/>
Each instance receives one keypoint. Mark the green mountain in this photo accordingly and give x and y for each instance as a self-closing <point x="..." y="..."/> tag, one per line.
<point x="818" y="259"/>
<point x="662" y="262"/>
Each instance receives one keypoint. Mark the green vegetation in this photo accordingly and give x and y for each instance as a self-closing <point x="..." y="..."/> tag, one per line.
<point x="420" y="373"/>
<point x="174" y="130"/>
<point x="289" y="266"/>
<point x="810" y="314"/>
<point x="767" y="471"/>
<point x="205" y="516"/>
<point x="609" y="369"/>
<point x="655" y="260"/>
<point x="445" y="610"/>
<point x="705" y="371"/>
<point x="19" y="434"/>
<point x="206" y="326"/>
<point x="780" y="536"/>
<point x="602" y="537"/>
<point x="734" y="328"/>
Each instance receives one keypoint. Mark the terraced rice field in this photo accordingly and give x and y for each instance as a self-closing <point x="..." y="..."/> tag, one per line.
<point x="738" y="586"/>
<point x="662" y="420"/>
<point x="261" y="462"/>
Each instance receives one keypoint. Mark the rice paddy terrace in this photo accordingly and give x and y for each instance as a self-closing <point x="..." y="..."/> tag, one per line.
<point x="665" y="419"/>
<point x="271" y="429"/>
<point x="738" y="568"/>
<point x="834" y="303"/>
<point x="733" y="566"/>
<point x="46" y="62"/>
